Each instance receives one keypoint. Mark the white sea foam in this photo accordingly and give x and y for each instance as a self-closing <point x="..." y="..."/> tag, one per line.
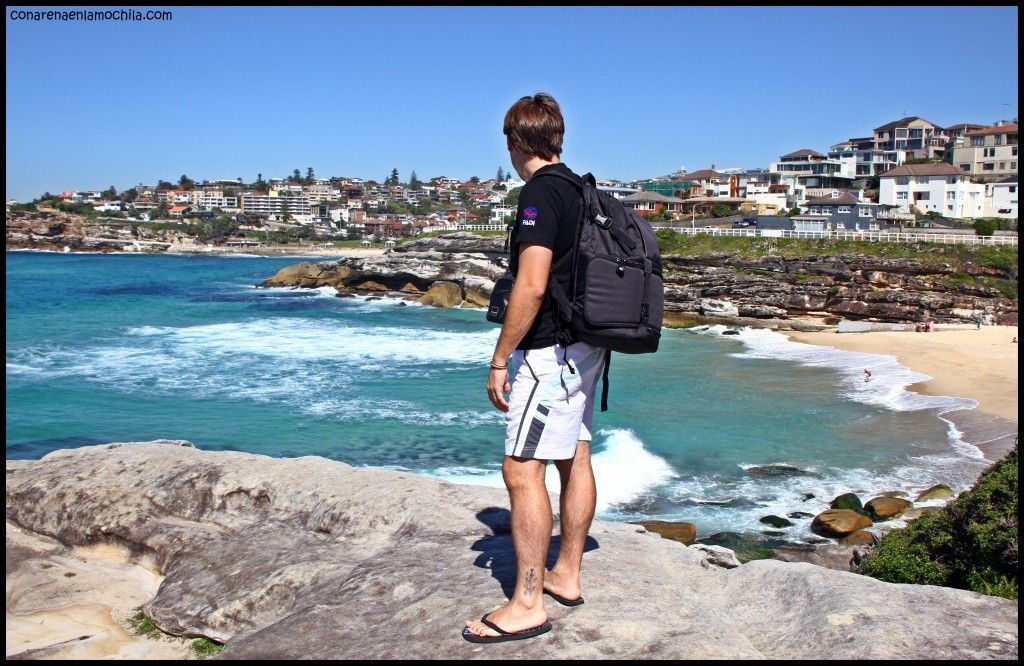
<point x="889" y="379"/>
<point x="327" y="340"/>
<point x="742" y="502"/>
<point x="623" y="469"/>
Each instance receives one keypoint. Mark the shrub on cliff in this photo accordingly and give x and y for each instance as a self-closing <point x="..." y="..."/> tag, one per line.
<point x="971" y="544"/>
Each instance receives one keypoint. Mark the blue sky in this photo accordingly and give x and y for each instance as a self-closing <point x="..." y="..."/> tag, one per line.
<point x="357" y="91"/>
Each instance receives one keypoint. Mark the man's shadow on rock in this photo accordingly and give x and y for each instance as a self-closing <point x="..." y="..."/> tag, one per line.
<point x="498" y="554"/>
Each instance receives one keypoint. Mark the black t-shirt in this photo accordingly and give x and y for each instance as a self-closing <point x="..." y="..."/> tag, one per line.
<point x="549" y="209"/>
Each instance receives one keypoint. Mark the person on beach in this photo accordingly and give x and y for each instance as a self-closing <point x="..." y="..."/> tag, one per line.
<point x="867" y="375"/>
<point x="550" y="408"/>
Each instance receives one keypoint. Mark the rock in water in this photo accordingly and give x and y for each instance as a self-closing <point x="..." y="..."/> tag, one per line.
<point x="847" y="501"/>
<point x="776" y="521"/>
<point x="838" y="523"/>
<point x="778" y="470"/>
<point x="310" y="558"/>
<point x="443" y="295"/>
<point x="939" y="491"/>
<point x="887" y="508"/>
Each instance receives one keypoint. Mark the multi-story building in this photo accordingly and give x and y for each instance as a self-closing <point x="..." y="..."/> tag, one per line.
<point x="942" y="188"/>
<point x="915" y="135"/>
<point x="445" y="181"/>
<point x="990" y="153"/>
<point x="708" y="183"/>
<point x="839" y="211"/>
<point x="323" y="192"/>
<point x="651" y="203"/>
<point x="208" y="199"/>
<point x="813" y="173"/>
<point x="869" y="160"/>
<point x="502" y="213"/>
<point x="1001" y="198"/>
<point x="274" y="204"/>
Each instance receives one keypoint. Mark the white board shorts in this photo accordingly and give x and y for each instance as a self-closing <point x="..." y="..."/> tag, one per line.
<point x="551" y="408"/>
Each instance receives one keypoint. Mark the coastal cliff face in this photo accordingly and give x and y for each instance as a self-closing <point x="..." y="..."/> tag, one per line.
<point x="301" y="558"/>
<point x="774" y="288"/>
<point x="457" y="269"/>
<point x="55" y="230"/>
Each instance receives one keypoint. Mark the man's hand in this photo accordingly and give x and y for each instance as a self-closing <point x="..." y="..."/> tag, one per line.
<point x="497" y="387"/>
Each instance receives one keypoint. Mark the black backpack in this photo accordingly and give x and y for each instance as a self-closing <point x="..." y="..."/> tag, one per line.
<point x="616" y="298"/>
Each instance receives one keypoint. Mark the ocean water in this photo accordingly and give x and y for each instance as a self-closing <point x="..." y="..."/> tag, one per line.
<point x="104" y="348"/>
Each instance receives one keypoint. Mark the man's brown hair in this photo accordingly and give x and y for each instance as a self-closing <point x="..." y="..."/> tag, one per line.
<point x="534" y="126"/>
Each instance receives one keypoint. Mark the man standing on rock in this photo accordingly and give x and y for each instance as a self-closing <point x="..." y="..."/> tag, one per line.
<point x="551" y="382"/>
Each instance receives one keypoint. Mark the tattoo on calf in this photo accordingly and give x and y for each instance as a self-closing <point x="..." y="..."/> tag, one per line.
<point x="530" y="583"/>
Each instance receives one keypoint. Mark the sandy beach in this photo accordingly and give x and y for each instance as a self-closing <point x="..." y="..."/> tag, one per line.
<point x="977" y="364"/>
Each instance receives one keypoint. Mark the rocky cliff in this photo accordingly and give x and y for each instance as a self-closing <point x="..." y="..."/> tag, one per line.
<point x="308" y="558"/>
<point x="719" y="287"/>
<point x="50" y="229"/>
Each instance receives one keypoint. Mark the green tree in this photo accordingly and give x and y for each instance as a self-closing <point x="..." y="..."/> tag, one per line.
<point x="310" y="176"/>
<point x="109" y="194"/>
<point x="131" y="194"/>
<point x="393" y="178"/>
<point x="186" y="183"/>
<point x="159" y="211"/>
<point x="296" y="177"/>
<point x="164" y="185"/>
<point x="984" y="226"/>
<point x="501" y="175"/>
<point x="720" y="210"/>
<point x="512" y="198"/>
<point x="792" y="211"/>
<point x="414" y="182"/>
<point x="475" y="180"/>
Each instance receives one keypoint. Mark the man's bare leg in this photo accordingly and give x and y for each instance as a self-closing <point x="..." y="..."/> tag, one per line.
<point x="576" y="504"/>
<point x="531" y="536"/>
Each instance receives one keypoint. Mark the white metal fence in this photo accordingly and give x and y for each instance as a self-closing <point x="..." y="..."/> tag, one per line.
<point x="875" y="236"/>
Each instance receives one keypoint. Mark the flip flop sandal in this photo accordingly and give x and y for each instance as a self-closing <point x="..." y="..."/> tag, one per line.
<point x="562" y="600"/>
<point x="504" y="635"/>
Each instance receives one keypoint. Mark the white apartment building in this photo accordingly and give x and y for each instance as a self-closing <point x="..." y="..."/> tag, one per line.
<point x="108" y="207"/>
<point x="270" y="204"/>
<point x="1001" y="198"/>
<point x="942" y="188"/>
<point x="502" y="213"/>
<point x="207" y="199"/>
<point x="990" y="153"/>
<point x="340" y="214"/>
<point x="323" y="192"/>
<point x="814" y="173"/>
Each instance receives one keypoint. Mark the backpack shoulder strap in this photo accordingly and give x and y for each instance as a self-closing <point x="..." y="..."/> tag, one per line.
<point x="617" y="233"/>
<point x="567" y="177"/>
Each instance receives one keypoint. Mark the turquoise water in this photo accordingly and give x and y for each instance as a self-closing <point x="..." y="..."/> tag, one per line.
<point x="126" y="347"/>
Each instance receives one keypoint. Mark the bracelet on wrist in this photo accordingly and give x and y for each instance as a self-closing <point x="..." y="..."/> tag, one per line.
<point x="495" y="366"/>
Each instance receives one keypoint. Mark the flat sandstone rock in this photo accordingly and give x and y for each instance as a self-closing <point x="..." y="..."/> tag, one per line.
<point x="308" y="558"/>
